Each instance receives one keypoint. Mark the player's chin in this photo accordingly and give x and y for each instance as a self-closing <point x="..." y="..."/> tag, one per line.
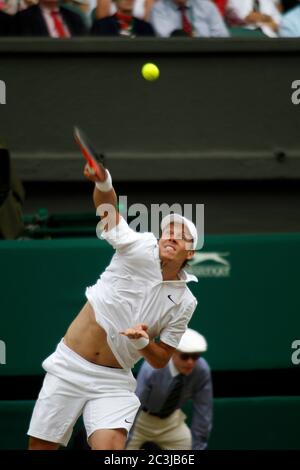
<point x="167" y="255"/>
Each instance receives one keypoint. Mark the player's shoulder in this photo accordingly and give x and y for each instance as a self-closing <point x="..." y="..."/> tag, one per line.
<point x="190" y="300"/>
<point x="145" y="241"/>
<point x="149" y="236"/>
<point x="140" y="235"/>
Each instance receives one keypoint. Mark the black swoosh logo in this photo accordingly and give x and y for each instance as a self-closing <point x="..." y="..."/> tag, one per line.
<point x="129" y="422"/>
<point x="169" y="297"/>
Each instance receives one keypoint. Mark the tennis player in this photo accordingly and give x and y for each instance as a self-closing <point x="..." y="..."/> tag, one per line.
<point x="141" y="295"/>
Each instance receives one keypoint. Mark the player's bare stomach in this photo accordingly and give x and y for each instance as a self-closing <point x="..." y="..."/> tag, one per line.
<point x="86" y="337"/>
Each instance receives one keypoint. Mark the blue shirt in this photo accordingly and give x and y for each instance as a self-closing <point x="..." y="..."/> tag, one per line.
<point x="290" y="24"/>
<point x="153" y="386"/>
<point x="204" y="16"/>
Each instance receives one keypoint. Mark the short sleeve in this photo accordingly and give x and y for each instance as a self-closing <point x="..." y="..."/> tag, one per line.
<point x="121" y="235"/>
<point x="173" y="332"/>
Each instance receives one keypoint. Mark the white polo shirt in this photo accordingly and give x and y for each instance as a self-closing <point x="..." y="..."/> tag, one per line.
<point x="131" y="290"/>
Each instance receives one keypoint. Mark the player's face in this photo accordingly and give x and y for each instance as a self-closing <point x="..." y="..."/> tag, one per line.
<point x="185" y="363"/>
<point x="175" y="243"/>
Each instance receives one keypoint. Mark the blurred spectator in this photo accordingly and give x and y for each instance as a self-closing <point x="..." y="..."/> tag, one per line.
<point x="83" y="6"/>
<point x="290" y="24"/>
<point x="6" y="24"/>
<point x="49" y="19"/>
<point x="141" y="9"/>
<point x="13" y="6"/>
<point x="198" y="18"/>
<point x="262" y="14"/>
<point x="122" y="23"/>
<point x="162" y="392"/>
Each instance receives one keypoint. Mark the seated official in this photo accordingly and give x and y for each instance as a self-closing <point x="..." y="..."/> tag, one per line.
<point x="290" y="24"/>
<point x="50" y="19"/>
<point x="192" y="18"/>
<point x="163" y="392"/>
<point x="122" y="23"/>
<point x="257" y="14"/>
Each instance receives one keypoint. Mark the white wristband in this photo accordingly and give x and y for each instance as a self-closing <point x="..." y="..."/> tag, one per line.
<point x="105" y="186"/>
<point x="140" y="343"/>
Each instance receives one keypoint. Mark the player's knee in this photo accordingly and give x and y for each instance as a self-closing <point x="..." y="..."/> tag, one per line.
<point x="40" y="444"/>
<point x="112" y="440"/>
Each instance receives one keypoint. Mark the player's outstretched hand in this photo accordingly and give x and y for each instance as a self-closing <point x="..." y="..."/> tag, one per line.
<point x="138" y="331"/>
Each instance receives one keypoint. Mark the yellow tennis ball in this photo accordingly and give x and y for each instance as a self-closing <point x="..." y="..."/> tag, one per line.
<point x="150" y="72"/>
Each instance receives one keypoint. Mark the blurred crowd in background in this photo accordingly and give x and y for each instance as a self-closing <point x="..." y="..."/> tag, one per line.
<point x="161" y="18"/>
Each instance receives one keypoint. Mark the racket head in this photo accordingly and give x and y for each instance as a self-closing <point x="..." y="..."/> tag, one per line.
<point x="89" y="153"/>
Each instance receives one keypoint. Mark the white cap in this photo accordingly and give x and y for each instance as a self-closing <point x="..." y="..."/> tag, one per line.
<point x="182" y="220"/>
<point x="192" y="342"/>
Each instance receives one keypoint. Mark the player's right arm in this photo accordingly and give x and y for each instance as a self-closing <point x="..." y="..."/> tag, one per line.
<point x="105" y="201"/>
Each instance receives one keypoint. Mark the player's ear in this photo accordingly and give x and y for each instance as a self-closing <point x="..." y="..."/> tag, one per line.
<point x="190" y="254"/>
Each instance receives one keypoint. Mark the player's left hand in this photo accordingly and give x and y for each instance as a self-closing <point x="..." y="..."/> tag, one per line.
<point x="138" y="331"/>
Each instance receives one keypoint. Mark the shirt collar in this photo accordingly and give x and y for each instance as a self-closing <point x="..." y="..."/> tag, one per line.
<point x="187" y="277"/>
<point x="175" y="7"/>
<point x="49" y="10"/>
<point x="184" y="278"/>
<point x="174" y="372"/>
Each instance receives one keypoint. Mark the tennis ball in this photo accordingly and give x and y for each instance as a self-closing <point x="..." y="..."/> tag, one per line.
<point x="150" y="72"/>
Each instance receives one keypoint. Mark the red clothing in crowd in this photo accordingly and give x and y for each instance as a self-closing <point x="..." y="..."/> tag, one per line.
<point x="221" y="4"/>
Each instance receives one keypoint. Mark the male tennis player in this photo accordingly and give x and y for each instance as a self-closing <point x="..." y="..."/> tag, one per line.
<point x="142" y="294"/>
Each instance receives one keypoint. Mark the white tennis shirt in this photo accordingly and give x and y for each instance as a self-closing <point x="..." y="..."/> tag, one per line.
<point x="131" y="290"/>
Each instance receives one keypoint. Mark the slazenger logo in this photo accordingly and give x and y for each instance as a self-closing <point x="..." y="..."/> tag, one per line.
<point x="210" y="265"/>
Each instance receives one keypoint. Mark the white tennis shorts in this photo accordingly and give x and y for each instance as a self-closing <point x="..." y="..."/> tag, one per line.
<point x="74" y="386"/>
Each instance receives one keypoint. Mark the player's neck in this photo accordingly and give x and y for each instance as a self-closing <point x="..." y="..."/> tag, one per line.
<point x="170" y="271"/>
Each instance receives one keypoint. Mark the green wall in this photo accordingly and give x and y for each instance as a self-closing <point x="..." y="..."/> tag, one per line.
<point x="248" y="294"/>
<point x="239" y="423"/>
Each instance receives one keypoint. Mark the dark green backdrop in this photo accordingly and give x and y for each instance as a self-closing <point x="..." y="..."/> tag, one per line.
<point x="248" y="294"/>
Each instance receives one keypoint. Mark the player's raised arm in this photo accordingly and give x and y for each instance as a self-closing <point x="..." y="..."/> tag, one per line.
<point x="104" y="197"/>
